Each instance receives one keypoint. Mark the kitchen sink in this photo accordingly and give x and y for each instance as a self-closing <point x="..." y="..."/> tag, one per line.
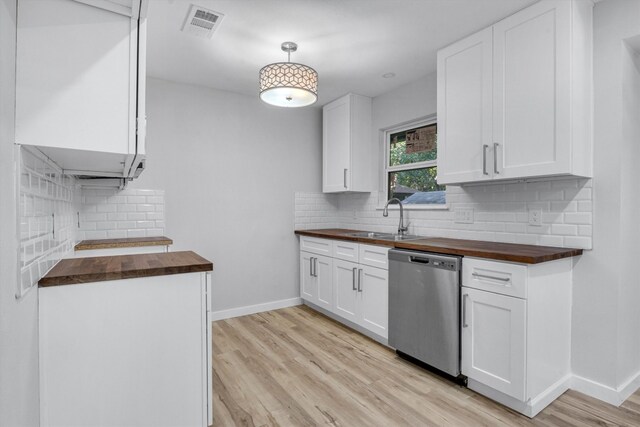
<point x="372" y="235"/>
<point x="399" y="238"/>
<point x="386" y="236"/>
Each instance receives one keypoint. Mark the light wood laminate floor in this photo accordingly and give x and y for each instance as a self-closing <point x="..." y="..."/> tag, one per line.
<point x="296" y="367"/>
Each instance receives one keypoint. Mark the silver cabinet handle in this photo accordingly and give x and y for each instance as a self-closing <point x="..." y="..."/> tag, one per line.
<point x="495" y="158"/>
<point x="353" y="279"/>
<point x="315" y="267"/>
<point x="464" y="310"/>
<point x="360" y="280"/>
<point x="78" y="219"/>
<point x="53" y="225"/>
<point x="484" y="159"/>
<point x="344" y="178"/>
<point x="311" y="266"/>
<point x="482" y="276"/>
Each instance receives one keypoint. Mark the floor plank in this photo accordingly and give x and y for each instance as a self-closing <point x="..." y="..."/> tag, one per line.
<point x="296" y="367"/>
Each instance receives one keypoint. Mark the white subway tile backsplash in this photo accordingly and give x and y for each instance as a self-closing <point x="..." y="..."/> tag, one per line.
<point x="577" y="218"/>
<point x="500" y="213"/>
<point x="137" y="233"/>
<point x="146" y="208"/>
<point x="112" y="213"/>
<point x="117" y="216"/>
<point x="136" y="200"/>
<point x="46" y="212"/>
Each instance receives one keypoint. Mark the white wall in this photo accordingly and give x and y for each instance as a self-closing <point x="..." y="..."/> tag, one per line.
<point x="18" y="319"/>
<point x="605" y="348"/>
<point x="629" y="298"/>
<point x="230" y="166"/>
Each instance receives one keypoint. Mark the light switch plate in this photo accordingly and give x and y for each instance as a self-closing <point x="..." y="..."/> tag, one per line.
<point x="535" y="217"/>
<point x="464" y="216"/>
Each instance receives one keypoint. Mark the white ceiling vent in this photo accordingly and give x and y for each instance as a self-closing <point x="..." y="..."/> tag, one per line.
<point x="202" y="22"/>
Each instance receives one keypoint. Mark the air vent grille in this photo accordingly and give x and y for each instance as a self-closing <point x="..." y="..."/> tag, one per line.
<point x="201" y="22"/>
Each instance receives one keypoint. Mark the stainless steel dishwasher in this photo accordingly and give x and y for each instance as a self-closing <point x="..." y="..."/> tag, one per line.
<point x="424" y="308"/>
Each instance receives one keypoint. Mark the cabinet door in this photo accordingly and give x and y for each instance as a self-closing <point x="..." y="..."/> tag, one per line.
<point x="532" y="91"/>
<point x="345" y="289"/>
<point x="464" y="110"/>
<point x="308" y="283"/>
<point x="74" y="86"/>
<point x="323" y="269"/>
<point x="374" y="299"/>
<point x="336" y="146"/>
<point x="494" y="341"/>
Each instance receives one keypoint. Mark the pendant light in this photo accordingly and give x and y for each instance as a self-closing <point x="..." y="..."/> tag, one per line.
<point x="288" y="84"/>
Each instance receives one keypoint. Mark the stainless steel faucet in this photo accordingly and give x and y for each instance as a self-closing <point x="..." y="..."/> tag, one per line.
<point x="385" y="213"/>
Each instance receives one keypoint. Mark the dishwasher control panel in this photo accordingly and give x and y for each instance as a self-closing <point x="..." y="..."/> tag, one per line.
<point x="435" y="261"/>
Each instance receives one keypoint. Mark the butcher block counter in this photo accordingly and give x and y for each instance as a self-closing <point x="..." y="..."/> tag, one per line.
<point x="98" y="269"/>
<point x="526" y="254"/>
<point x="127" y="242"/>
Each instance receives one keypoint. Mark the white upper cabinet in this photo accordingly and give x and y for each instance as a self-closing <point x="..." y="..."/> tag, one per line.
<point x="80" y="83"/>
<point x="514" y="101"/>
<point x="346" y="145"/>
<point x="464" y="108"/>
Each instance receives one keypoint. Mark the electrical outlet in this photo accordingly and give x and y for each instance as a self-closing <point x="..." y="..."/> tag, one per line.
<point x="464" y="216"/>
<point x="535" y="217"/>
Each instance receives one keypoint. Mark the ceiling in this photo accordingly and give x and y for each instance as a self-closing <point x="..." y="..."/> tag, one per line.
<point x="351" y="43"/>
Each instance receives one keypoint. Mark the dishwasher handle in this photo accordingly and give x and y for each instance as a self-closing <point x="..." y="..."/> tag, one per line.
<point x="420" y="260"/>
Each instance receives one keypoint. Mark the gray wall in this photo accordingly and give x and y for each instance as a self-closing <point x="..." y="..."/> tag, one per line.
<point x="230" y="166"/>
<point x="606" y="294"/>
<point x="18" y="319"/>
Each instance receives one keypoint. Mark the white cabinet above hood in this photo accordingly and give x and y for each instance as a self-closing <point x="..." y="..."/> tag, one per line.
<point x="80" y="85"/>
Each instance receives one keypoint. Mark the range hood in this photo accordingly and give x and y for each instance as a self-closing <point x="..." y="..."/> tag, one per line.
<point x="96" y="169"/>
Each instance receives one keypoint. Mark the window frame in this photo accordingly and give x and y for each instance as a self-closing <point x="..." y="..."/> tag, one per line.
<point x="386" y="169"/>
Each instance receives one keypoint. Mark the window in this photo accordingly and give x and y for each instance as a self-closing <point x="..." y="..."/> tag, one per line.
<point x="411" y="169"/>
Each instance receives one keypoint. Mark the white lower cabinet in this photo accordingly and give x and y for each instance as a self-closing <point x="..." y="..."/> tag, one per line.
<point x="357" y="290"/>
<point x="316" y="282"/>
<point x="345" y="279"/>
<point x="494" y="338"/>
<point x="374" y="300"/>
<point x="516" y="331"/>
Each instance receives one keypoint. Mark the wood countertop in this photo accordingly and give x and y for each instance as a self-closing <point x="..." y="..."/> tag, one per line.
<point x="97" y="269"/>
<point x="128" y="242"/>
<point x="526" y="254"/>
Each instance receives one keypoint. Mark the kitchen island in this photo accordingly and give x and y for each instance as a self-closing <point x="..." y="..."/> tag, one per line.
<point x="125" y="340"/>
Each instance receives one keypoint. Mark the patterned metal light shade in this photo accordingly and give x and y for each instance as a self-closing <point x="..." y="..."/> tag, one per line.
<point x="287" y="84"/>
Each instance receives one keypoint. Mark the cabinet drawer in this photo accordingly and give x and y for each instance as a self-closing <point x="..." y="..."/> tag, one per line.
<point x="493" y="276"/>
<point x="316" y="246"/>
<point x="347" y="251"/>
<point x="374" y="256"/>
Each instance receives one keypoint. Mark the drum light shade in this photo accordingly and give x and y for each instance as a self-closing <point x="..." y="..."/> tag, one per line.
<point x="287" y="84"/>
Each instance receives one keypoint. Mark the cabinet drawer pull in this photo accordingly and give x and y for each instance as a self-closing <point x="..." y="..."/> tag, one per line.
<point x="484" y="159"/>
<point x="315" y="267"/>
<point x="495" y="158"/>
<point x="464" y="310"/>
<point x="353" y="279"/>
<point x="311" y="266"/>
<point x="360" y="280"/>
<point x="344" y="178"/>
<point x="482" y="276"/>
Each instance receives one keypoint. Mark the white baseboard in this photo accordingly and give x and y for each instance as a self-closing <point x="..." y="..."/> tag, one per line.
<point x="253" y="309"/>
<point x="530" y="408"/>
<point x="614" y="396"/>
